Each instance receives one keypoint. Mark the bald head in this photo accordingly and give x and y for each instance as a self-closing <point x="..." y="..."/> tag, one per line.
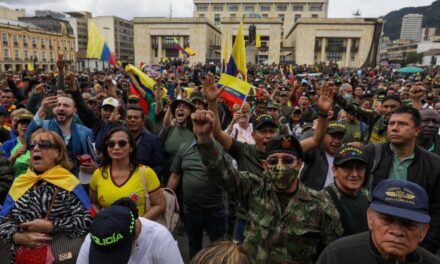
<point x="430" y="123"/>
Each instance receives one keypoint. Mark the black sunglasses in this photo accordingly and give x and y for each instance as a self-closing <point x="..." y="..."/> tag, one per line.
<point x="121" y="143"/>
<point x="284" y="160"/>
<point x="42" y="144"/>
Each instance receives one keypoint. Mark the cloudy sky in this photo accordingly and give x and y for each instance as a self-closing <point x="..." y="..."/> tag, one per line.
<point x="181" y="8"/>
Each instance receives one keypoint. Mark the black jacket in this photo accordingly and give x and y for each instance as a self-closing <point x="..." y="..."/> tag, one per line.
<point x="425" y="171"/>
<point x="6" y="177"/>
<point x="315" y="169"/>
<point x="360" y="249"/>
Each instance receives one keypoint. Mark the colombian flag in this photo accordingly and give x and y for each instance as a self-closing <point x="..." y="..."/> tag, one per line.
<point x="235" y="91"/>
<point x="97" y="48"/>
<point x="237" y="61"/>
<point x="57" y="176"/>
<point x="177" y="46"/>
<point x="189" y="51"/>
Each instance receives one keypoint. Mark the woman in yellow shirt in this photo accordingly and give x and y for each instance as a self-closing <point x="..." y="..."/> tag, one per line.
<point x="120" y="176"/>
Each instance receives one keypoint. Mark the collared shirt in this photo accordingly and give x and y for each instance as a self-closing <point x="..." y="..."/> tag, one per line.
<point x="399" y="170"/>
<point x="330" y="178"/>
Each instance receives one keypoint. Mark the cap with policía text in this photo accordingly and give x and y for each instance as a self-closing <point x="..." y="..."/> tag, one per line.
<point x="112" y="233"/>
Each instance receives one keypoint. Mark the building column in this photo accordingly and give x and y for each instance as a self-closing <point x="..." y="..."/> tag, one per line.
<point x="181" y="45"/>
<point x="347" y="53"/>
<point x="323" y="46"/>
<point x="159" y="48"/>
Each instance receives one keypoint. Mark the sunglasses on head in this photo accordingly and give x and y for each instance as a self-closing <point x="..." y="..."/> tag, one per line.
<point x="42" y="144"/>
<point x="121" y="143"/>
<point x="284" y="160"/>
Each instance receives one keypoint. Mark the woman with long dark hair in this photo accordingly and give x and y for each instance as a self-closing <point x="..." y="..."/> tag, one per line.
<point x="121" y="176"/>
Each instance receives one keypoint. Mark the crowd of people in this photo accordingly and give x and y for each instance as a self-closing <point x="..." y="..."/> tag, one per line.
<point x="318" y="165"/>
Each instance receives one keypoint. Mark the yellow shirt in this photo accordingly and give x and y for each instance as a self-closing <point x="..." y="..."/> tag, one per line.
<point x="108" y="192"/>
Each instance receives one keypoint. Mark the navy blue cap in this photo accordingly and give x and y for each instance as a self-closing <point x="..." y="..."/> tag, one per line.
<point x="401" y="199"/>
<point x="3" y="111"/>
<point x="286" y="144"/>
<point x="112" y="233"/>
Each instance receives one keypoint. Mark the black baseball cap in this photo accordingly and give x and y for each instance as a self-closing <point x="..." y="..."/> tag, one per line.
<point x="401" y="199"/>
<point x="112" y="233"/>
<point x="348" y="153"/>
<point x="336" y="127"/>
<point x="286" y="144"/>
<point x="264" y="120"/>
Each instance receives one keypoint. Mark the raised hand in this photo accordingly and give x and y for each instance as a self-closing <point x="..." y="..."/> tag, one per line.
<point x="61" y="63"/>
<point x="203" y="124"/>
<point x="325" y="101"/>
<point x="210" y="88"/>
<point x="417" y="92"/>
<point x="69" y="79"/>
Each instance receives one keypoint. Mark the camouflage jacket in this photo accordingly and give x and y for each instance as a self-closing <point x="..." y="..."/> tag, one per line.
<point x="296" y="235"/>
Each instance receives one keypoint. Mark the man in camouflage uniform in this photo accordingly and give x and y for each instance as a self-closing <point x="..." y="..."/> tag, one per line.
<point x="288" y="222"/>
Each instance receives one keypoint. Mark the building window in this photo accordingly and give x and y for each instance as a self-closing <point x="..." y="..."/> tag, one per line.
<point x="314" y="16"/>
<point x="201" y="15"/>
<point x="34" y="43"/>
<point x="218" y="8"/>
<point x="265" y="15"/>
<point x="25" y="41"/>
<point x="232" y="15"/>
<point x="17" y="54"/>
<point x="5" y="39"/>
<point x="6" y="55"/>
<point x="50" y="44"/>
<point x="43" y="55"/>
<point x="282" y="7"/>
<point x="281" y="16"/>
<point x="202" y="8"/>
<point x="52" y="57"/>
<point x="26" y="55"/>
<point x="298" y="7"/>
<point x="65" y="45"/>
<point x="316" y="7"/>
<point x="35" y="58"/>
<point x="43" y="43"/>
<point x="170" y="40"/>
<point x="59" y="45"/>
<point x="15" y="39"/>
<point x="249" y="8"/>
<point x="264" y="7"/>
<point x="334" y="55"/>
<point x="297" y="16"/>
<point x="217" y="19"/>
<point x="233" y="8"/>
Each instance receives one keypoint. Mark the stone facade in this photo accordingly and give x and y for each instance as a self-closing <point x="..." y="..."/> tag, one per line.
<point x="153" y="38"/>
<point x="348" y="41"/>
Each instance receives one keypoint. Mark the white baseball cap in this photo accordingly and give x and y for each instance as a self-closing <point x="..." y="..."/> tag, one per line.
<point x="110" y="101"/>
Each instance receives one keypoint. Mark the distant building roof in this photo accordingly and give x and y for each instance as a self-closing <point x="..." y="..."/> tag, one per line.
<point x="432" y="52"/>
<point x="4" y="21"/>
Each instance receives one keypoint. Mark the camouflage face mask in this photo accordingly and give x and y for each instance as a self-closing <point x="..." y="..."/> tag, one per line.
<point x="282" y="176"/>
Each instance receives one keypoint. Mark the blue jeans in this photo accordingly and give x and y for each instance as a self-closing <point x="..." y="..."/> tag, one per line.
<point x="213" y="222"/>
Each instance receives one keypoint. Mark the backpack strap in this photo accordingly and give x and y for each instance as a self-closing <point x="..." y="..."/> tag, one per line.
<point x="52" y="202"/>
<point x="338" y="205"/>
<point x="377" y="156"/>
<point x="144" y="185"/>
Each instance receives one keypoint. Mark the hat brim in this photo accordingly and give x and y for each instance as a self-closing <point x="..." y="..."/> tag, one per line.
<point x="400" y="212"/>
<point x="264" y="124"/>
<point x="336" y="130"/>
<point x="121" y="255"/>
<point x="178" y="101"/>
<point x="344" y="160"/>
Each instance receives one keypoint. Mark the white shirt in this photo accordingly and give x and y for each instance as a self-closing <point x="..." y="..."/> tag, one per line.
<point x="155" y="245"/>
<point x="330" y="179"/>
<point x="243" y="134"/>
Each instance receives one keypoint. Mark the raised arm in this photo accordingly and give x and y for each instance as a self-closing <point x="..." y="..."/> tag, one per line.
<point x="416" y="93"/>
<point x="325" y="103"/>
<point x="211" y="94"/>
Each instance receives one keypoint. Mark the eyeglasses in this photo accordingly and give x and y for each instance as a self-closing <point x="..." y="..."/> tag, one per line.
<point x="120" y="143"/>
<point x="284" y="160"/>
<point x="42" y="144"/>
